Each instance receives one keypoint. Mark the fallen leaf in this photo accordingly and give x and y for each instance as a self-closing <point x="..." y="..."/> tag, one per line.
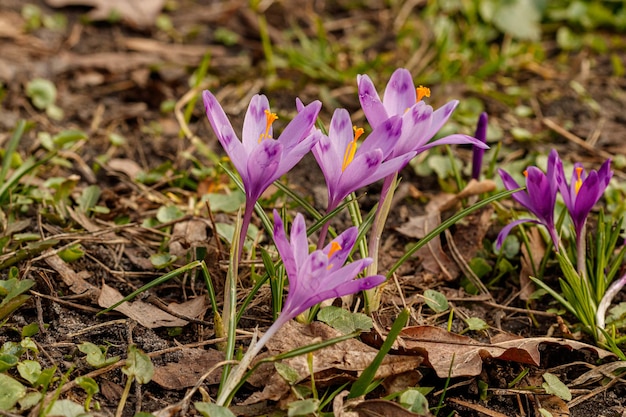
<point x="341" y="361"/>
<point x="188" y="235"/>
<point x="190" y="365"/>
<point x="136" y="13"/>
<point x="379" y="408"/>
<point x="148" y="315"/>
<point x="74" y="280"/>
<point x="453" y="355"/>
<point x="125" y="166"/>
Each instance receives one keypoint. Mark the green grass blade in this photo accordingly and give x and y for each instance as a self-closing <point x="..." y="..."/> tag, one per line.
<point x="448" y="223"/>
<point x="10" y="149"/>
<point x="360" y="386"/>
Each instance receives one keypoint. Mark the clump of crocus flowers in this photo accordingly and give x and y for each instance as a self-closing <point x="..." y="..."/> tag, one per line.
<point x="402" y="126"/>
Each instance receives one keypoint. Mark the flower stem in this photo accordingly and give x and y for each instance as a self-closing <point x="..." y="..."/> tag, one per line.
<point x="372" y="297"/>
<point x="581" y="251"/>
<point x="226" y="390"/>
<point x="247" y="218"/>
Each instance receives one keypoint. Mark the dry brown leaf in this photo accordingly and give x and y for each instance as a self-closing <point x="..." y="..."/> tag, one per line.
<point x="343" y="360"/>
<point x="148" y="315"/>
<point x="434" y="259"/>
<point x="125" y="166"/>
<point x="136" y="13"/>
<point x="556" y="406"/>
<point x="381" y="408"/>
<point x="188" y="368"/>
<point x="453" y="355"/>
<point x="74" y="280"/>
<point x="188" y="235"/>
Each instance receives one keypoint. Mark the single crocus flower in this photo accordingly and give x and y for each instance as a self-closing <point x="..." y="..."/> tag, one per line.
<point x="420" y="123"/>
<point x="583" y="191"/>
<point x="539" y="197"/>
<point x="313" y="278"/>
<point x="258" y="157"/>
<point x="347" y="166"/>
<point x="479" y="152"/>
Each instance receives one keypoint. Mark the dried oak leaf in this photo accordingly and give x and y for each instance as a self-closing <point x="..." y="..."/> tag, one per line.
<point x="188" y="369"/>
<point x="136" y="13"/>
<point x="343" y="360"/>
<point x="150" y="316"/>
<point x="453" y="355"/>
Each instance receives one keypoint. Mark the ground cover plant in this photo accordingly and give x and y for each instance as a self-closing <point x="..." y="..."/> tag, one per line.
<point x="428" y="220"/>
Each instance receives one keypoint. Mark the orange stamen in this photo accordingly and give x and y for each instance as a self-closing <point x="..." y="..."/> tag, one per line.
<point x="348" y="156"/>
<point x="269" y="119"/>
<point x="422" y="92"/>
<point x="579" y="181"/>
<point x="525" y="173"/>
<point x="334" y="247"/>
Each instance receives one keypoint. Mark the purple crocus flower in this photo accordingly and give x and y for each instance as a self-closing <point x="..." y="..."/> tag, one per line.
<point x="583" y="191"/>
<point x="320" y="275"/>
<point x="478" y="152"/>
<point x="419" y="122"/>
<point x="347" y="166"/>
<point x="259" y="159"/>
<point x="539" y="197"/>
<point x="313" y="278"/>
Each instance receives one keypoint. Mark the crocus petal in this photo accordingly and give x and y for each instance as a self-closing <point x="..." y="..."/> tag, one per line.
<point x="510" y="184"/>
<point x="441" y="116"/>
<point x="415" y="127"/>
<point x="224" y="131"/>
<point x="384" y="137"/>
<point x="400" y="92"/>
<point x="295" y="155"/>
<point x="456" y="139"/>
<point x="255" y="122"/>
<point x="262" y="168"/>
<point x="356" y="175"/>
<point x="299" y="240"/>
<point x="345" y="241"/>
<point x="370" y="101"/>
<point x="283" y="246"/>
<point x="300" y="127"/>
<point x="507" y="229"/>
<point x="541" y="197"/>
<point x="340" y="133"/>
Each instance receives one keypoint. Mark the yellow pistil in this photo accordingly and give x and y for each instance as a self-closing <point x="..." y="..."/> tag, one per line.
<point x="334" y="247"/>
<point x="269" y="119"/>
<point x="422" y="92"/>
<point x="579" y="181"/>
<point x="348" y="156"/>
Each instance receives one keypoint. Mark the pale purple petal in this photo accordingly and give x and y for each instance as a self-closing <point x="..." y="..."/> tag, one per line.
<point x="384" y="137"/>
<point x="300" y="127"/>
<point x="284" y="248"/>
<point x="255" y="123"/>
<point x="415" y="128"/>
<point x="455" y="139"/>
<point x="441" y="116"/>
<point x="346" y="242"/>
<point x="370" y="101"/>
<point x="299" y="240"/>
<point x="262" y="168"/>
<point x="224" y="131"/>
<point x="400" y="93"/>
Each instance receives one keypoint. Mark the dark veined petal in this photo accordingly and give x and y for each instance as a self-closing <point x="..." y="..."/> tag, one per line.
<point x="384" y="137"/>
<point x="400" y="93"/>
<point x="300" y="126"/>
<point x="370" y="101"/>
<point x="262" y="166"/>
<point x="345" y="242"/>
<point x="441" y="116"/>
